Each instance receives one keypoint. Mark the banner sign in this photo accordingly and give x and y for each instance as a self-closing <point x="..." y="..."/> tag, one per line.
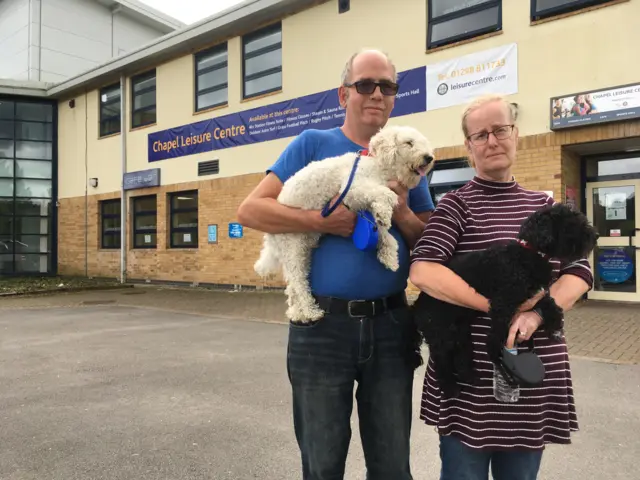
<point x="596" y="106"/>
<point x="280" y="120"/>
<point x="142" y="179"/>
<point x="460" y="80"/>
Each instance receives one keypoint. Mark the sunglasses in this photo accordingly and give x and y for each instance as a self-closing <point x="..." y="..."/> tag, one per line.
<point x="367" y="87"/>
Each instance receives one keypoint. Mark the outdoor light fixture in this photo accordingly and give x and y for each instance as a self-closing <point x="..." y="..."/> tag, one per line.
<point x="93" y="182"/>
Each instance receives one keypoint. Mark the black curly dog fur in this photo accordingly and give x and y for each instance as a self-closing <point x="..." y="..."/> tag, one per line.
<point x="507" y="275"/>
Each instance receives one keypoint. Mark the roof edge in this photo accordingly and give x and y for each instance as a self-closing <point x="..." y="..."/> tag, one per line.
<point x="152" y="13"/>
<point x="26" y="88"/>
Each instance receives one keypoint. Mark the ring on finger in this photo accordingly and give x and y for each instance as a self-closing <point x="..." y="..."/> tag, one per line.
<point x="522" y="333"/>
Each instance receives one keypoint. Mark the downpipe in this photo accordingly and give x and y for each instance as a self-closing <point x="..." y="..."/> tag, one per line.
<point x="123" y="168"/>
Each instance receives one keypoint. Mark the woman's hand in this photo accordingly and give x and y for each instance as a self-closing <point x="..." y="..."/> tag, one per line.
<point x="529" y="304"/>
<point x="522" y="327"/>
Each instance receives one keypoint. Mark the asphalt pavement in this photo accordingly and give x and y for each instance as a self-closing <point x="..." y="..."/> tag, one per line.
<point x="114" y="392"/>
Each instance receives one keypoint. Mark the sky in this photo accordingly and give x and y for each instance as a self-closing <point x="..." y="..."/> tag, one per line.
<point x="190" y="11"/>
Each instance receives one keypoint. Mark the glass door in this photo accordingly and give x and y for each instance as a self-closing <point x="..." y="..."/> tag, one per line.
<point x="613" y="208"/>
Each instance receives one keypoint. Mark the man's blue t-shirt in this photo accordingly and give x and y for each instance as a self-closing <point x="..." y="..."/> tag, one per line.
<point x="338" y="267"/>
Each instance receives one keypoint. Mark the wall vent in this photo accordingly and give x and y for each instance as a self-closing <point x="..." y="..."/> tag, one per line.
<point x="209" y="168"/>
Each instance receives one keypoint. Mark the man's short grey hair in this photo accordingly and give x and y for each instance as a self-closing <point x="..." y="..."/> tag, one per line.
<point x="346" y="73"/>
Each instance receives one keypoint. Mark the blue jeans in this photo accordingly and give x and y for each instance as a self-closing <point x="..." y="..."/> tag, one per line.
<point x="324" y="360"/>
<point x="460" y="462"/>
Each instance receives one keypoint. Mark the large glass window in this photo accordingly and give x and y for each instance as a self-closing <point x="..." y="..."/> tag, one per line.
<point x="548" y="8"/>
<point x="211" y="78"/>
<point x="27" y="168"/>
<point x="451" y="21"/>
<point x="183" y="230"/>
<point x="262" y="61"/>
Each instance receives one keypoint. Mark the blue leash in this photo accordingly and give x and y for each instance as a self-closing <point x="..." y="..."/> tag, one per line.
<point x="326" y="211"/>
<point x="365" y="235"/>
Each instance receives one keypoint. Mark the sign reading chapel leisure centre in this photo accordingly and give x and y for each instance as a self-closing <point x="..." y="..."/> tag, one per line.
<point x="595" y="106"/>
<point x="445" y="84"/>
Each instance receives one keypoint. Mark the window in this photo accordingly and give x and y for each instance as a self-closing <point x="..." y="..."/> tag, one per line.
<point x="453" y="20"/>
<point x="110" y="110"/>
<point x="145" y="222"/>
<point x="143" y="104"/>
<point x="211" y="78"/>
<point x="27" y="186"/>
<point x="110" y="223"/>
<point x="183" y="229"/>
<point x="548" y="8"/>
<point x="448" y="175"/>
<point x="262" y="61"/>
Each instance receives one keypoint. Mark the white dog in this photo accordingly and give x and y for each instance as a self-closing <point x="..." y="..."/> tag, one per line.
<point x="396" y="153"/>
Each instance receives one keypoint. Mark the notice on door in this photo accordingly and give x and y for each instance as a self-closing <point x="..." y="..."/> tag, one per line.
<point x="616" y="206"/>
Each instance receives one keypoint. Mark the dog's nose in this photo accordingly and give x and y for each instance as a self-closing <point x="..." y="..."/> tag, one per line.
<point x="428" y="159"/>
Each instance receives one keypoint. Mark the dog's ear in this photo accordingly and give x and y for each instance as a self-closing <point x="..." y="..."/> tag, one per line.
<point x="537" y="230"/>
<point x="383" y="143"/>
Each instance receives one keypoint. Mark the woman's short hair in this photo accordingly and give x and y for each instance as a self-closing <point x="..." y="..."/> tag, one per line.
<point x="482" y="100"/>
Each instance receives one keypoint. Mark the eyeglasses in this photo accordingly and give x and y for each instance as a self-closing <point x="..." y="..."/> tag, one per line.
<point x="501" y="133"/>
<point x="367" y="87"/>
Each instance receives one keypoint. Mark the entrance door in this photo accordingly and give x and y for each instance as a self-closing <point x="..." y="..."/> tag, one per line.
<point x="614" y="209"/>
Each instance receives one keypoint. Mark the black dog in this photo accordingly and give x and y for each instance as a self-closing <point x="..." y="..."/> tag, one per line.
<point x="507" y="275"/>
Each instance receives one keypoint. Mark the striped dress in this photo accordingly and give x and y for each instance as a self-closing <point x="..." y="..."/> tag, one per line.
<point x="472" y="218"/>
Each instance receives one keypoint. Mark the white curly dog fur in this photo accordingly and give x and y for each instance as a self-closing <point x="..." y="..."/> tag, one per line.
<point x="396" y="153"/>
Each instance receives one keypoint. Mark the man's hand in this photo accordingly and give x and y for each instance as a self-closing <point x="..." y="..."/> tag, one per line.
<point x="341" y="221"/>
<point x="401" y="209"/>
<point x="523" y="326"/>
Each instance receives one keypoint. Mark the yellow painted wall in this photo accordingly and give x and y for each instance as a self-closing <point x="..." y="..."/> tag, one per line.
<point x="590" y="50"/>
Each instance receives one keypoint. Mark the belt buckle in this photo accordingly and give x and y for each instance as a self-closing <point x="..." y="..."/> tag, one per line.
<point x="360" y="301"/>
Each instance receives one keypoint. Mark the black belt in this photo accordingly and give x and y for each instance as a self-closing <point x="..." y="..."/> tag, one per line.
<point x="361" y="308"/>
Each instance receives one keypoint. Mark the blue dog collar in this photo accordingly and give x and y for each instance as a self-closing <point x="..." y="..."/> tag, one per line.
<point x="365" y="235"/>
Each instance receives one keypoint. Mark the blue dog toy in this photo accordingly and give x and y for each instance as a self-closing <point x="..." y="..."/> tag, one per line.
<point x="365" y="233"/>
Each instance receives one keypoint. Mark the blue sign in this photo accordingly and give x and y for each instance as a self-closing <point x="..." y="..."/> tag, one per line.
<point x="235" y="230"/>
<point x="213" y="233"/>
<point x="614" y="266"/>
<point x="142" y="179"/>
<point x="279" y="120"/>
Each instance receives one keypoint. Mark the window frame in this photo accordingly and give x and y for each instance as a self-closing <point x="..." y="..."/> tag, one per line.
<point x="444" y="187"/>
<point x="172" y="211"/>
<point x="264" y="73"/>
<point x="102" y="119"/>
<point x="104" y="216"/>
<point x="139" y="79"/>
<point x="497" y="27"/>
<point x="223" y="47"/>
<point x="143" y="213"/>
<point x="562" y="9"/>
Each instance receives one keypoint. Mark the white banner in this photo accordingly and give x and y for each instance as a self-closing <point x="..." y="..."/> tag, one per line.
<point x="460" y="80"/>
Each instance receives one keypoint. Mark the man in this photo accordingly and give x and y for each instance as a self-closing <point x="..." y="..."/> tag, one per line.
<point x="366" y="334"/>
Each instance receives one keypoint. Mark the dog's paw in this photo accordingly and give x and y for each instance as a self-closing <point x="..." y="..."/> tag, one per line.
<point x="390" y="263"/>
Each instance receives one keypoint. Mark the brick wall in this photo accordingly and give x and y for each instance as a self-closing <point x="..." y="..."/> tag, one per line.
<point x="230" y="261"/>
<point x="542" y="164"/>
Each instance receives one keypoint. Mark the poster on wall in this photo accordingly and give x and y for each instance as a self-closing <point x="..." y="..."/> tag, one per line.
<point x="615" y="206"/>
<point x="279" y="120"/>
<point x="595" y="106"/>
<point x="571" y="197"/>
<point x="614" y="266"/>
<point x="460" y="80"/>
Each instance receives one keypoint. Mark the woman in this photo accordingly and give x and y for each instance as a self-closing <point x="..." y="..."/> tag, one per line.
<point x="475" y="429"/>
